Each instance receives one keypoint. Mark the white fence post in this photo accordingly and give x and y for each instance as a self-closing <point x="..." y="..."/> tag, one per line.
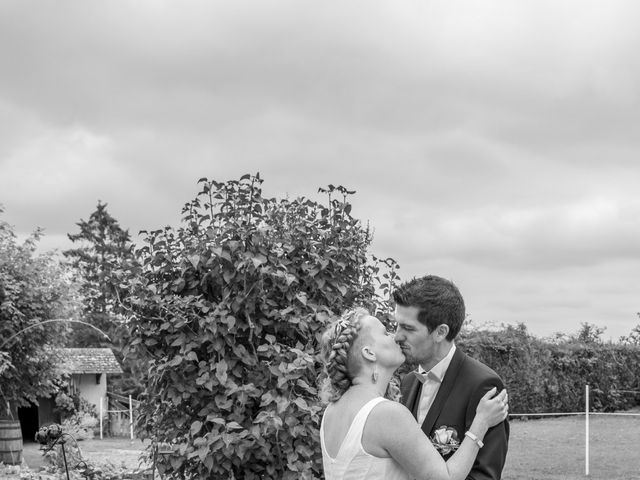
<point x="586" y="429"/>
<point x="101" y="417"/>
<point x="131" y="418"/>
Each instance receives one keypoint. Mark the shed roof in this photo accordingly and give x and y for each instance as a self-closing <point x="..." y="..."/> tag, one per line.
<point x="87" y="360"/>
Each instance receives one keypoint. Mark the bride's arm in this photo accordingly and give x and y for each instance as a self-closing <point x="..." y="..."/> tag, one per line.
<point x="392" y="428"/>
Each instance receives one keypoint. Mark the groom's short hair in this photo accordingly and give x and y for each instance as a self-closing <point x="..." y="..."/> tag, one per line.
<point x="438" y="301"/>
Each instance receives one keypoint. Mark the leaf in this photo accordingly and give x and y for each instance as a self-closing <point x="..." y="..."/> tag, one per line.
<point x="221" y="371"/>
<point x="192" y="356"/>
<point x="301" y="403"/>
<point x="258" y="260"/>
<point x="196" y="427"/>
<point x="233" y="426"/>
<point x="177" y="360"/>
<point x="208" y="463"/>
<point x="202" y="379"/>
<point x="212" y="418"/>
<point x="194" y="260"/>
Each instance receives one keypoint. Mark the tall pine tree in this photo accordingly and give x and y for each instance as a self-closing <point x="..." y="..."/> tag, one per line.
<point x="104" y="249"/>
<point x="103" y="256"/>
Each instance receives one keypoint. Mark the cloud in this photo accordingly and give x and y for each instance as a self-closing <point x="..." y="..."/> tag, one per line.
<point x="51" y="164"/>
<point x="53" y="179"/>
<point x="492" y="142"/>
<point x="584" y="233"/>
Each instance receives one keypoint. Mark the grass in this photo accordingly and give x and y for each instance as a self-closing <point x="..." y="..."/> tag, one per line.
<point x="115" y="450"/>
<point x="543" y="449"/>
<point x="554" y="449"/>
<point x="111" y="455"/>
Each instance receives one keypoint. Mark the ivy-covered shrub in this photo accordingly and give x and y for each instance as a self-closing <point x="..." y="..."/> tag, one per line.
<point x="545" y="376"/>
<point x="227" y="312"/>
<point x="34" y="288"/>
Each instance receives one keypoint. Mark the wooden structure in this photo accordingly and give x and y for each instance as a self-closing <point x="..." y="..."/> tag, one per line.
<point x="88" y="369"/>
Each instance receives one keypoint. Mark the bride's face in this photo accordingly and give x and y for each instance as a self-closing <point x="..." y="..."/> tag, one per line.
<point x="388" y="352"/>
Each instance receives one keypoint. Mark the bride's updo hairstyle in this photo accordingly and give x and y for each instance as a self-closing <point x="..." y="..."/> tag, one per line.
<point x="341" y="359"/>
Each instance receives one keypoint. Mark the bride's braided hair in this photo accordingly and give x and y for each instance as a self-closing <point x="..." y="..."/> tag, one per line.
<point x="339" y="361"/>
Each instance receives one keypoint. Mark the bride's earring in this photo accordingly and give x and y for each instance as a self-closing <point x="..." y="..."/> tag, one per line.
<point x="374" y="375"/>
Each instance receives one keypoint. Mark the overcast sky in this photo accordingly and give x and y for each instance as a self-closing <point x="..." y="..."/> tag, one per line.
<point x="493" y="143"/>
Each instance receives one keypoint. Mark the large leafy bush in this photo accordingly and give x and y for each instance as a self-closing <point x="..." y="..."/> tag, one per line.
<point x="34" y="288"/>
<point x="227" y="312"/>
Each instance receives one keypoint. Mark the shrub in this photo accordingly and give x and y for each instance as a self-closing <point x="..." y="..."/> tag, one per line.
<point x="545" y="376"/>
<point x="34" y="288"/>
<point x="80" y="425"/>
<point x="227" y="312"/>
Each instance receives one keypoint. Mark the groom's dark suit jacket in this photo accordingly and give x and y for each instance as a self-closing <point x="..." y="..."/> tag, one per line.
<point x="464" y="384"/>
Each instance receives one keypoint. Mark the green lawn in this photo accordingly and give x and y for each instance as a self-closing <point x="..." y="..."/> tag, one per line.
<point x="554" y="449"/>
<point x="544" y="449"/>
<point x="118" y="451"/>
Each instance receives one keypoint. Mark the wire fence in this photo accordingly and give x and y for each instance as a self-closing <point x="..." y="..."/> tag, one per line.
<point x="587" y="413"/>
<point x="119" y="413"/>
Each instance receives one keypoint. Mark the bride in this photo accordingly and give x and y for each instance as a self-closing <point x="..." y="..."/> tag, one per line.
<point x="365" y="436"/>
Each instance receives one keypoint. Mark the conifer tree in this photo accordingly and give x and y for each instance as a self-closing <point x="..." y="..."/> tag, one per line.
<point x="104" y="250"/>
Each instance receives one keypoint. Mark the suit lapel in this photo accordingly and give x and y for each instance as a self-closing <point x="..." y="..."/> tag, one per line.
<point x="443" y="393"/>
<point x="411" y="393"/>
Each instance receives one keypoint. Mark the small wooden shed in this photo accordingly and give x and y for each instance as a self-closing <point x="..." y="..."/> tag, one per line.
<point x="88" y="369"/>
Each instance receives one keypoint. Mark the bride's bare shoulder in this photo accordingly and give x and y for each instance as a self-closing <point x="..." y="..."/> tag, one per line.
<point x="391" y="412"/>
<point x="388" y="423"/>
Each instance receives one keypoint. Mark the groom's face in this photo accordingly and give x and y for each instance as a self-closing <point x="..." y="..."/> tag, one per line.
<point x="413" y="336"/>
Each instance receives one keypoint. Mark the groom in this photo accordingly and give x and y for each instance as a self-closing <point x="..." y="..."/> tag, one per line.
<point x="447" y="386"/>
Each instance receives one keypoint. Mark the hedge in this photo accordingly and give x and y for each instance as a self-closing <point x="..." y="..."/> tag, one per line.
<point x="544" y="376"/>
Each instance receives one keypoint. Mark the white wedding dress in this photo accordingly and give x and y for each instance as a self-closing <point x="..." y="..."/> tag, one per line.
<point x="351" y="461"/>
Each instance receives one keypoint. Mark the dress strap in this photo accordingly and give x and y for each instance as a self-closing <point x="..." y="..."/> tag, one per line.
<point x="353" y="440"/>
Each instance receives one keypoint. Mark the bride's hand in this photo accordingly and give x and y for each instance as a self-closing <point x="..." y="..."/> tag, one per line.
<point x="493" y="409"/>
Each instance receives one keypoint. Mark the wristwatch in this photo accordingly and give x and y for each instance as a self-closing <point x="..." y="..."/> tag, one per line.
<point x="474" y="437"/>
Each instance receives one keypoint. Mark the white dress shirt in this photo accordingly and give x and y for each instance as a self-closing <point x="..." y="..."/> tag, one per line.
<point x="431" y="383"/>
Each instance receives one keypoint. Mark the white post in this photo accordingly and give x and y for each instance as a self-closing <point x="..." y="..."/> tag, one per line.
<point x="586" y="430"/>
<point x="101" y="417"/>
<point x="131" y="418"/>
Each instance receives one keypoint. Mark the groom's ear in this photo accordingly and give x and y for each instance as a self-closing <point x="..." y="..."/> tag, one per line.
<point x="368" y="354"/>
<point x="442" y="331"/>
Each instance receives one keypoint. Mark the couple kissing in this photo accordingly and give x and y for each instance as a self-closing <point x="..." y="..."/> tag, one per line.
<point x="451" y="421"/>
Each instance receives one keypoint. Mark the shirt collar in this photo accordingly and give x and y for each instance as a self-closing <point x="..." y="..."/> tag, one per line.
<point x="440" y="368"/>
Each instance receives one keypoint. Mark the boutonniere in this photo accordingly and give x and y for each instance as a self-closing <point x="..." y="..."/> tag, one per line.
<point x="445" y="439"/>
